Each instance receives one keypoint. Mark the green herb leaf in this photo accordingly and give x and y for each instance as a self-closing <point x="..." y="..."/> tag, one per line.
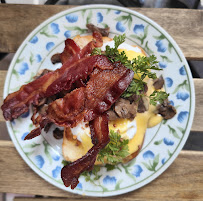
<point x="142" y="67"/>
<point x="109" y="167"/>
<point x="65" y="162"/>
<point x="96" y="51"/>
<point x="115" y="150"/>
<point x="119" y="40"/>
<point x="158" y="96"/>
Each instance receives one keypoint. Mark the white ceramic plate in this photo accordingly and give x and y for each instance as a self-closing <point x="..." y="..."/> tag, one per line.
<point x="162" y="143"/>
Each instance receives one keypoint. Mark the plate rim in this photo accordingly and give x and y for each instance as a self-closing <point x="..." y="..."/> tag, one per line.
<point x="179" y="52"/>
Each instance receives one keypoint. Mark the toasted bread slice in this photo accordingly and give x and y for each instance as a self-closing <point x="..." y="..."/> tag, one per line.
<point x="84" y="40"/>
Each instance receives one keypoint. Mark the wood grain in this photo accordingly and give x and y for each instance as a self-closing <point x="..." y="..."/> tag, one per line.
<point x="182" y="180"/>
<point x="197" y="124"/>
<point x="185" y="26"/>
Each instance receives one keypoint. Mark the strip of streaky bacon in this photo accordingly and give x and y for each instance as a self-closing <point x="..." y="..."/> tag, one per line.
<point x="100" y="138"/>
<point x="75" y="70"/>
<point x="86" y="103"/>
<point x="71" y="48"/>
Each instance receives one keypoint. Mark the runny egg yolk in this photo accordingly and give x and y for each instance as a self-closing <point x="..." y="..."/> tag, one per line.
<point x="131" y="54"/>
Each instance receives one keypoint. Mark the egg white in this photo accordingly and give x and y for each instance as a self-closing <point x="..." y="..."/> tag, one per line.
<point x="122" y="46"/>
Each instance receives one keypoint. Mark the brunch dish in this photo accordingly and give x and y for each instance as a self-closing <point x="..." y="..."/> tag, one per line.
<point x="93" y="105"/>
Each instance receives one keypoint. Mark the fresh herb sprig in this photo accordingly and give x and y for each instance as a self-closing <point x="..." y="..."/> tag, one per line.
<point x="158" y="96"/>
<point x="115" y="150"/>
<point x="141" y="66"/>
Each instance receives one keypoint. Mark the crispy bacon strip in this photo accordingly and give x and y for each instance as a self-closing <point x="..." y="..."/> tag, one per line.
<point x="18" y="102"/>
<point x="64" y="78"/>
<point x="100" y="138"/>
<point x="71" y="48"/>
<point x="102" y="90"/>
<point x="85" y="104"/>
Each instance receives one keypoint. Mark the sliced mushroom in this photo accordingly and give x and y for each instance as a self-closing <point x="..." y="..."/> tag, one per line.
<point x="102" y="31"/>
<point x="41" y="72"/>
<point x="112" y="115"/>
<point x="166" y="110"/>
<point x="143" y="104"/>
<point x="158" y="83"/>
<point x="125" y="109"/>
<point x="56" y="58"/>
<point x="133" y="98"/>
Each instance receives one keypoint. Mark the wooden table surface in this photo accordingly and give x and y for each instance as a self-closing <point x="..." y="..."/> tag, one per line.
<point x="183" y="180"/>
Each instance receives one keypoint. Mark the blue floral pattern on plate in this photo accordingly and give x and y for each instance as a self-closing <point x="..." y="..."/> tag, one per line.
<point x="168" y="142"/>
<point x="182" y="95"/>
<point x="34" y="40"/>
<point x="56" y="172"/>
<point x="182" y="116"/>
<point x="182" y="70"/>
<point x="117" y="12"/>
<point x="120" y="27"/>
<point x="79" y="186"/>
<point x="23" y="68"/>
<point x="72" y="18"/>
<point x="67" y="34"/>
<point x="163" y="160"/>
<point x="137" y="170"/>
<point x="148" y="155"/>
<point x="49" y="46"/>
<point x="109" y="180"/>
<point x="55" y="28"/>
<point x="138" y="29"/>
<point x="39" y="161"/>
<point x="99" y="17"/>
<point x="158" y="150"/>
<point x="162" y="65"/>
<point x="38" y="58"/>
<point x="160" y="46"/>
<point x="169" y="82"/>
